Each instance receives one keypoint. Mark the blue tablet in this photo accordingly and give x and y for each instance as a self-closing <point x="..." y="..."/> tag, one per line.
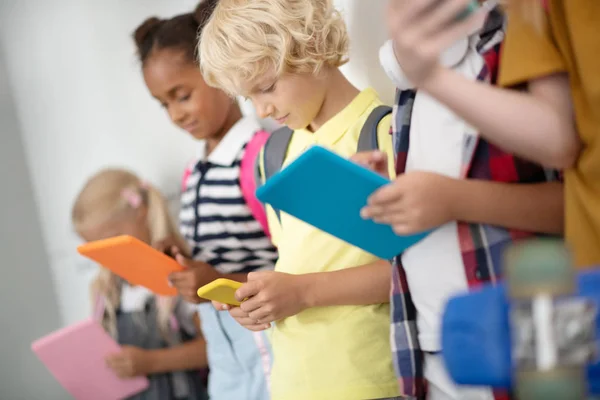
<point x="328" y="191"/>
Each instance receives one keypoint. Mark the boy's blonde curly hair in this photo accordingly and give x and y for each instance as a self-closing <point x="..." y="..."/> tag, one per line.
<point x="244" y="39"/>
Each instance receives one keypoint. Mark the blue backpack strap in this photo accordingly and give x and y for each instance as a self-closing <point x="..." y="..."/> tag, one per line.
<point x="368" y="139"/>
<point x="273" y="156"/>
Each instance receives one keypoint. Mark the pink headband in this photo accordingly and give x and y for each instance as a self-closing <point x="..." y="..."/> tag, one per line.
<point x="133" y="197"/>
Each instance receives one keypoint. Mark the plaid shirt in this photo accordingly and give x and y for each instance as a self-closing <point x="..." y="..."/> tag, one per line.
<point x="481" y="245"/>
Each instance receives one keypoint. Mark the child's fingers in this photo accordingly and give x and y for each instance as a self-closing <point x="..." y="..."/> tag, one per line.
<point x="378" y="156"/>
<point x="122" y="372"/>
<point x="370" y="212"/>
<point x="114" y="357"/>
<point x="246" y="321"/>
<point x="252" y="324"/>
<point x="403" y="228"/>
<point x="391" y="193"/>
<point x="258" y="327"/>
<point x="182" y="279"/>
<point x="443" y="39"/>
<point x="109" y="360"/>
<point x="249" y="289"/>
<point x="386" y="218"/>
<point x="176" y="277"/>
<point x="252" y="304"/>
<point x="114" y="361"/>
<point x="220" y="306"/>
<point x="191" y="294"/>
<point x="237" y="313"/>
<point x="385" y="214"/>
<point x="181" y="260"/>
<point x="369" y="159"/>
<point x="262" y="314"/>
<point x="442" y="16"/>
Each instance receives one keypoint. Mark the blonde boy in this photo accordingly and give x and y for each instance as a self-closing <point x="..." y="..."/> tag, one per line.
<point x="328" y="300"/>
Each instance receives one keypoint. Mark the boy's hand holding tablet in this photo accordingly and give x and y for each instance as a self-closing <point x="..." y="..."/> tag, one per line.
<point x="414" y="202"/>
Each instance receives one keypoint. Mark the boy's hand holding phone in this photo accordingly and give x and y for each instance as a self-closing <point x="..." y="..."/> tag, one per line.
<point x="414" y="202"/>
<point x="270" y="296"/>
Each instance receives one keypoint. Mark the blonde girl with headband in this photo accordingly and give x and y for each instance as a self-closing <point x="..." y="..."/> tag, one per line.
<point x="160" y="336"/>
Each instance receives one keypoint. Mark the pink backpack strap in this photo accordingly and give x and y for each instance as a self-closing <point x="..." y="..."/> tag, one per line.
<point x="186" y="175"/>
<point x="248" y="182"/>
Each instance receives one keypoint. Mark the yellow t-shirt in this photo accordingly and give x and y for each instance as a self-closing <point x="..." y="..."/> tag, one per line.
<point x="331" y="353"/>
<point x="569" y="42"/>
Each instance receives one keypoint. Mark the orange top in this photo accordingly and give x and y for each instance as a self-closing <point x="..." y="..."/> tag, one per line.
<point x="568" y="42"/>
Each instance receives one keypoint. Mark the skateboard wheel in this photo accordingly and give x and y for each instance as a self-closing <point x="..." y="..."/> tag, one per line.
<point x="557" y="384"/>
<point x="541" y="266"/>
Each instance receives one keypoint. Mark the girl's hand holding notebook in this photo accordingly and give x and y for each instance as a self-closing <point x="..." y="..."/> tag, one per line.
<point x="130" y="362"/>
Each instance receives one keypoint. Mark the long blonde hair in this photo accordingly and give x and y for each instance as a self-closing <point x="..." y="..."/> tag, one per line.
<point x="106" y="198"/>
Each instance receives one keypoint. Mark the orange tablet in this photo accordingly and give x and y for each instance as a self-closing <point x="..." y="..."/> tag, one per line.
<point x="134" y="261"/>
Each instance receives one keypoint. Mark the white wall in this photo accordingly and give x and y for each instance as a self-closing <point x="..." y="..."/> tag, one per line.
<point x="28" y="300"/>
<point x="82" y="105"/>
<point x="364" y="19"/>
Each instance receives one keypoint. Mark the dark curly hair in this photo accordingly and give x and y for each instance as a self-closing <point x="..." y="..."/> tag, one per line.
<point x="180" y="32"/>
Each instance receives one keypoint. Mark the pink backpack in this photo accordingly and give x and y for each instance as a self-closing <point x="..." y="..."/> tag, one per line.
<point x="248" y="178"/>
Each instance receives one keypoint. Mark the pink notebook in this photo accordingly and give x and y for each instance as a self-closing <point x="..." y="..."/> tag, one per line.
<point x="75" y="357"/>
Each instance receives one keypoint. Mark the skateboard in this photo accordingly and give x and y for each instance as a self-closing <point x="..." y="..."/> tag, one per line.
<point x="535" y="334"/>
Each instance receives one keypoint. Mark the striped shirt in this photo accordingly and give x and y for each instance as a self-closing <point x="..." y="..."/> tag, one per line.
<point x="214" y="217"/>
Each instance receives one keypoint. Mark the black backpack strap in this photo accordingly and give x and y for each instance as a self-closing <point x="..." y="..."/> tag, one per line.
<point x="368" y="139"/>
<point x="273" y="156"/>
<point x="275" y="151"/>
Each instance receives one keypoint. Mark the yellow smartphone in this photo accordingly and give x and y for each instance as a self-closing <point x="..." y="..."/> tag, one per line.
<point x="221" y="290"/>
